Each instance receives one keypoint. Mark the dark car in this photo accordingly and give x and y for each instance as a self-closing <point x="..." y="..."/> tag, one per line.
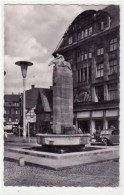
<point x="109" y="137"/>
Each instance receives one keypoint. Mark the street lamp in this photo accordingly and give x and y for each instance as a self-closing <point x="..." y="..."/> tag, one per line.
<point x="24" y="65"/>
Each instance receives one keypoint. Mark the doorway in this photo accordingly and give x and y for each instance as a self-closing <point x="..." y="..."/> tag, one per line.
<point x="84" y="126"/>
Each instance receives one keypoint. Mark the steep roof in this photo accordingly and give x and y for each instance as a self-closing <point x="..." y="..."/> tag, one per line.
<point x="114" y="12"/>
<point x="32" y="96"/>
<point x="46" y="99"/>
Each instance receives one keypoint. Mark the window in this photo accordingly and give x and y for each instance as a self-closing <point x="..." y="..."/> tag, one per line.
<point x="90" y="53"/>
<point x="10" y="111"/>
<point x="85" y="74"/>
<point x="79" y="76"/>
<point x="90" y="30"/>
<point x="105" y="23"/>
<point x="82" y="34"/>
<point x="78" y="56"/>
<point x="16" y="111"/>
<point x="102" y="25"/>
<point x="70" y="40"/>
<point x="16" y="120"/>
<point x="85" y="55"/>
<point x="112" y="92"/>
<point x="100" y="51"/>
<point x="113" y="44"/>
<point x="113" y="66"/>
<point x="89" y="73"/>
<point x="100" y="70"/>
<point x="10" y="119"/>
<point x="100" y="93"/>
<point x="82" y="56"/>
<point x="86" y="33"/>
<point x="79" y="36"/>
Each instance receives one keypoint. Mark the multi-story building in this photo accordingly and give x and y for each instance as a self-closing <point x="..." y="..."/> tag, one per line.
<point x="31" y="100"/>
<point x="91" y="45"/>
<point x="12" y="110"/>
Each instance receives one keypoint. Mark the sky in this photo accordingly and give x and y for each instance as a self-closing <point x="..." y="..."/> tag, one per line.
<point x="32" y="32"/>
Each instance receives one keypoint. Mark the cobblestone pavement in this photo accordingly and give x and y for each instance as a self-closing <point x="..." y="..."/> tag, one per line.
<point x="95" y="175"/>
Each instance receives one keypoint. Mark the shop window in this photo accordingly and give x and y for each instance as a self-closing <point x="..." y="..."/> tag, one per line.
<point x="113" y="44"/>
<point x="113" y="66"/>
<point x="113" y="123"/>
<point x="98" y="125"/>
<point x="100" y="93"/>
<point x="112" y="92"/>
<point x="70" y="40"/>
<point x="100" y="70"/>
<point x="100" y="51"/>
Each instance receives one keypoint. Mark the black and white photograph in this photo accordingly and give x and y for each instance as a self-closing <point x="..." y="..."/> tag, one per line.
<point x="61" y="71"/>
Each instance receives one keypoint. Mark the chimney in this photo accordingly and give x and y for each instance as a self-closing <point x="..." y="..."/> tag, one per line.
<point x="32" y="86"/>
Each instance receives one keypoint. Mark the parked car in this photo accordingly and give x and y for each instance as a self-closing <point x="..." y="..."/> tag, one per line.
<point x="109" y="136"/>
<point x="106" y="137"/>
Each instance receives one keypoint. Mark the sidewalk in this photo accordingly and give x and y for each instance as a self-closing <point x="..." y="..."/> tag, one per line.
<point x="15" y="141"/>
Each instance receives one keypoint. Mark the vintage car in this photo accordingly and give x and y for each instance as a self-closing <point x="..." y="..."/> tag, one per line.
<point x="109" y="136"/>
<point x="106" y="137"/>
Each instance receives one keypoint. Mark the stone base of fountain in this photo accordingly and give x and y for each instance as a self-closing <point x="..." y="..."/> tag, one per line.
<point x="62" y="142"/>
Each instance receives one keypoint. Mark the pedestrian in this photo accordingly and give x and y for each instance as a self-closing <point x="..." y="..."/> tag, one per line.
<point x="94" y="132"/>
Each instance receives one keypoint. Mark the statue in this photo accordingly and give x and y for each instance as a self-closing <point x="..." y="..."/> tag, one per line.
<point x="60" y="61"/>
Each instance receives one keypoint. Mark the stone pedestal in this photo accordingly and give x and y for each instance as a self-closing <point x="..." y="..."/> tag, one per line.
<point x="62" y="98"/>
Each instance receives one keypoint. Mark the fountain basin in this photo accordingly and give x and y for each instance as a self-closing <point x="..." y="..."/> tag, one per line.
<point x="63" y="140"/>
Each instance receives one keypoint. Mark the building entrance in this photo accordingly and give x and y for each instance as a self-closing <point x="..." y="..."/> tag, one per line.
<point x="84" y="126"/>
<point x="99" y="125"/>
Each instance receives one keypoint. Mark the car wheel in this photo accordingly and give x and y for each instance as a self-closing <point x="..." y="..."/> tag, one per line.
<point x="105" y="142"/>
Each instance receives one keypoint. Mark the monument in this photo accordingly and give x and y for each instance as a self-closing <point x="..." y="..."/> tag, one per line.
<point x="64" y="133"/>
<point x="62" y="95"/>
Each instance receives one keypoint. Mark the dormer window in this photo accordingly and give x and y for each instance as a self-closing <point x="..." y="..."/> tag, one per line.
<point x="79" y="36"/>
<point x="86" y="33"/>
<point x="90" y="30"/>
<point x="70" y="40"/>
<point x="82" y="34"/>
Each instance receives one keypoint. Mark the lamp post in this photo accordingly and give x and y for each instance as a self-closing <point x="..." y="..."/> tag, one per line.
<point x="24" y="65"/>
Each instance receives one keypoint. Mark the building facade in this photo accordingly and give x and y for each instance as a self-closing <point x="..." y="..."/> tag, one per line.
<point x="12" y="111"/>
<point x="44" y="113"/>
<point x="91" y="45"/>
